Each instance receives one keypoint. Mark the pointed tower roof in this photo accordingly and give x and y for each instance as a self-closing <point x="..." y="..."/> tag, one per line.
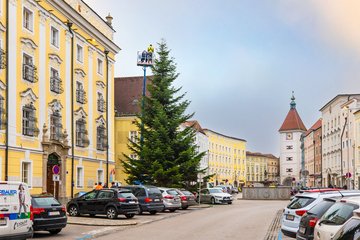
<point x="292" y="121"/>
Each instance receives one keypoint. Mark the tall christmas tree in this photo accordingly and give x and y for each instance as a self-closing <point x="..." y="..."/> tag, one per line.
<point x="166" y="155"/>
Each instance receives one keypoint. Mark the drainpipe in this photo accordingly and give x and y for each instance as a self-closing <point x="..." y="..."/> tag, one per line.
<point x="341" y="150"/>
<point x="107" y="116"/>
<point x="7" y="96"/>
<point x="69" y="24"/>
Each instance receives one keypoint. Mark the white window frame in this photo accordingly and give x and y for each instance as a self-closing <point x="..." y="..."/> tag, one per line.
<point x="81" y="177"/>
<point x="51" y="37"/>
<point x="133" y="137"/>
<point x="1" y="11"/>
<point x="78" y="59"/>
<point x="29" y="183"/>
<point x="100" y="175"/>
<point x="0" y="160"/>
<point x="32" y="19"/>
<point x="100" y="67"/>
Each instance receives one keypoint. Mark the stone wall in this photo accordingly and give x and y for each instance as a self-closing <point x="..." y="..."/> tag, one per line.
<point x="266" y="193"/>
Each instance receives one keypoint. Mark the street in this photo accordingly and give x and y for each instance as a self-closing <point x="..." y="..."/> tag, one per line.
<point x="243" y="219"/>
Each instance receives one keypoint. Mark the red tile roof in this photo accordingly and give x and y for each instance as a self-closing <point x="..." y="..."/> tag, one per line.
<point x="128" y="94"/>
<point x="292" y="122"/>
<point x="314" y="127"/>
<point x="195" y="124"/>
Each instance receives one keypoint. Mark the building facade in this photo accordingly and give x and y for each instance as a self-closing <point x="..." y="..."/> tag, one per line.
<point x="273" y="169"/>
<point x="312" y="151"/>
<point x="256" y="166"/>
<point x="56" y="90"/>
<point x="227" y="157"/>
<point x="357" y="143"/>
<point x="291" y="132"/>
<point x="202" y="143"/>
<point x="338" y="141"/>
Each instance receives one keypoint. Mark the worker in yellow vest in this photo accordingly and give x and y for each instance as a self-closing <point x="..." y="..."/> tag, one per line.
<point x="150" y="51"/>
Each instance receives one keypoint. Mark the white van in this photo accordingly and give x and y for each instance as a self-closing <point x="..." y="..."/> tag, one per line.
<point x="15" y="204"/>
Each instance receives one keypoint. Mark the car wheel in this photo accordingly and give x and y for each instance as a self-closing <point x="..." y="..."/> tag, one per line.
<point x="229" y="202"/>
<point x="129" y="215"/>
<point x="184" y="208"/>
<point x="74" y="211"/>
<point x="55" y="231"/>
<point x="111" y="213"/>
<point x="153" y="212"/>
<point x="172" y="210"/>
<point x="212" y="200"/>
<point x="92" y="215"/>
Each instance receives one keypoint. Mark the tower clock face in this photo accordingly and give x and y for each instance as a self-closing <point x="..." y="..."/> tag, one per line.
<point x="289" y="136"/>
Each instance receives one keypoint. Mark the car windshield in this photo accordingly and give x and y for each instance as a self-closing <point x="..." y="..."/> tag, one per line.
<point x="186" y="192"/>
<point x="215" y="190"/>
<point x="154" y="192"/>
<point x="172" y="192"/>
<point x="45" y="202"/>
<point x="339" y="213"/>
<point x="320" y="208"/>
<point x="125" y="194"/>
<point x="300" y="202"/>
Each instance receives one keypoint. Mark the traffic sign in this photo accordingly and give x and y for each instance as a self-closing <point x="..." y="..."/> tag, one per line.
<point x="348" y="175"/>
<point x="56" y="177"/>
<point x="56" y="169"/>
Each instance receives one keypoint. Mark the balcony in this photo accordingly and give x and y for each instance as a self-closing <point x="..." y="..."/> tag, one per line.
<point x="56" y="85"/>
<point x="81" y="96"/>
<point x="101" y="105"/>
<point x="2" y="59"/>
<point x="30" y="73"/>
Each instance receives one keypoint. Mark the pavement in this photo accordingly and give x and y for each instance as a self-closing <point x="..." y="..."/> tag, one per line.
<point x="274" y="231"/>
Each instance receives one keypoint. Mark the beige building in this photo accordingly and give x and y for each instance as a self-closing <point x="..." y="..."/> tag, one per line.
<point x="261" y="168"/>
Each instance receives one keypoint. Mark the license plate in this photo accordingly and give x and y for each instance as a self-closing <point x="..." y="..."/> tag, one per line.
<point x="131" y="201"/>
<point x="302" y="230"/>
<point x="290" y="217"/>
<point x="2" y="221"/>
<point x="57" y="213"/>
<point x="156" y="200"/>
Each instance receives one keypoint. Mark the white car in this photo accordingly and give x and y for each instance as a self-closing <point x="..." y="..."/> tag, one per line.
<point x="15" y="216"/>
<point x="351" y="229"/>
<point x="214" y="195"/>
<point x="335" y="217"/>
<point x="299" y="205"/>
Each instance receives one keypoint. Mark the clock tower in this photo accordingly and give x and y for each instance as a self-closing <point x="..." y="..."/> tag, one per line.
<point x="290" y="146"/>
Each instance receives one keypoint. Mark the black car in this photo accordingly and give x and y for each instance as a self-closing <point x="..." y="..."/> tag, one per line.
<point x="150" y="198"/>
<point x="109" y="201"/>
<point x="47" y="213"/>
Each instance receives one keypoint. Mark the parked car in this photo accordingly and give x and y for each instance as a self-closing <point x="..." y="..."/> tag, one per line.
<point x="48" y="214"/>
<point x="223" y="188"/>
<point x="15" y="204"/>
<point x="149" y="197"/>
<point x="171" y="199"/>
<point x="335" y="217"/>
<point x="310" y="218"/>
<point x="298" y="206"/>
<point x="214" y="195"/>
<point x="187" y="198"/>
<point x="108" y="201"/>
<point x="351" y="229"/>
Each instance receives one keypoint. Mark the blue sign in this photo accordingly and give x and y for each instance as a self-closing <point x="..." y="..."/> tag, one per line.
<point x="7" y="192"/>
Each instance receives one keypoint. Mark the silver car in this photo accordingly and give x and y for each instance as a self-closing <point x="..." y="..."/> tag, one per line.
<point x="171" y="199"/>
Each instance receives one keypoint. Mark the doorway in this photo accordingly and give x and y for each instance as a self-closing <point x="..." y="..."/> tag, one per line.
<point x="51" y="186"/>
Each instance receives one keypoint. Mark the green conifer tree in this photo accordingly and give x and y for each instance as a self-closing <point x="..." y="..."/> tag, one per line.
<point x="166" y="156"/>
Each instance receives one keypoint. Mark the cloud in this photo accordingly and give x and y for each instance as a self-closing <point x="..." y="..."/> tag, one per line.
<point x="335" y="23"/>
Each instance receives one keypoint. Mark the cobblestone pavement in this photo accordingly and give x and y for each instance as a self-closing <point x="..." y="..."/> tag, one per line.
<point x="274" y="232"/>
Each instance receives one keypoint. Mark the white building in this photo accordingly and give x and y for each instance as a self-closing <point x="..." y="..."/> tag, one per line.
<point x="338" y="141"/>
<point x="202" y="143"/>
<point x="290" y="152"/>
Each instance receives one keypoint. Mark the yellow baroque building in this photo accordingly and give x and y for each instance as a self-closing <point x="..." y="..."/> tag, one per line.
<point x="227" y="159"/>
<point x="56" y="95"/>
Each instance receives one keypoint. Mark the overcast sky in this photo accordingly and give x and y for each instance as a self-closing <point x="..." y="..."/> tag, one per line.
<point x="240" y="60"/>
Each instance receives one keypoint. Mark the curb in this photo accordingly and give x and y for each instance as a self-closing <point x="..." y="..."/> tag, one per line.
<point x="96" y="234"/>
<point x="101" y="222"/>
